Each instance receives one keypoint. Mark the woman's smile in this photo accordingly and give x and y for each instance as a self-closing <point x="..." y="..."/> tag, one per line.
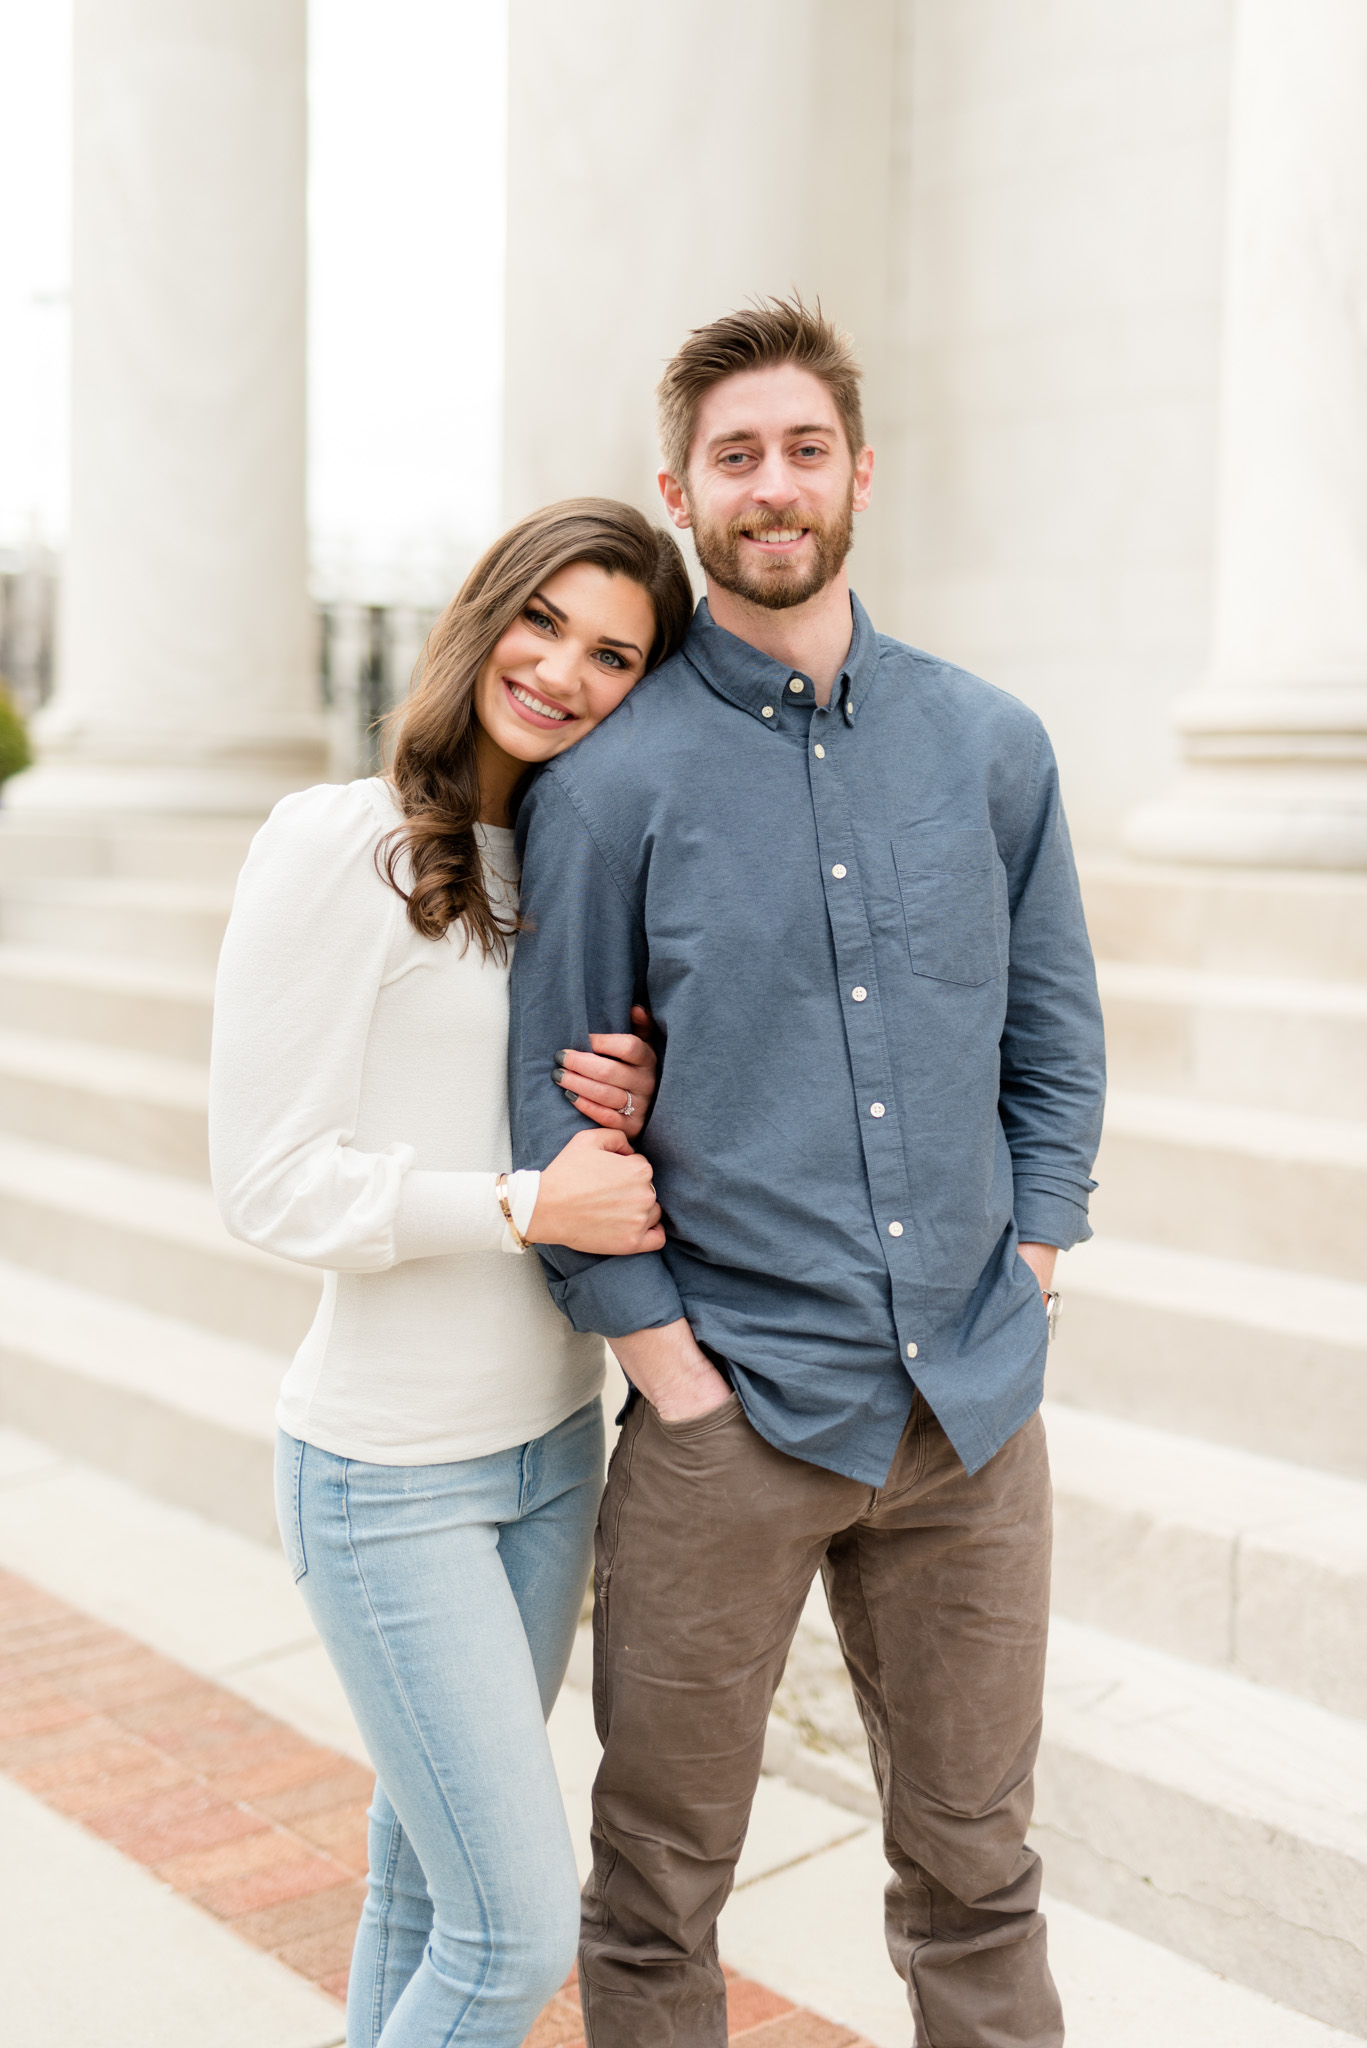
<point x="538" y="711"/>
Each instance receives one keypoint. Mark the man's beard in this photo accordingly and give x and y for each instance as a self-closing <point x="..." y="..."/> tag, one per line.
<point x="778" y="583"/>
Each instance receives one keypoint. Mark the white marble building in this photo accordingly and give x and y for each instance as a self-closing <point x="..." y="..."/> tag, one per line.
<point x="1107" y="266"/>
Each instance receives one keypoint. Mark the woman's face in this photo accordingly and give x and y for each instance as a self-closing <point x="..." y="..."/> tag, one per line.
<point x="580" y="643"/>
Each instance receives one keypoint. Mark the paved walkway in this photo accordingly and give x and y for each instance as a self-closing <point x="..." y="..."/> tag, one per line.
<point x="183" y="1807"/>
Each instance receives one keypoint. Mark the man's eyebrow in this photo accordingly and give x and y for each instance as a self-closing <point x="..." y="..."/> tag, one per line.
<point x="750" y="433"/>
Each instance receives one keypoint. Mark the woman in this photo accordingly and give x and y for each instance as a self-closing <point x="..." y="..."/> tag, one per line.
<point x="440" y="1453"/>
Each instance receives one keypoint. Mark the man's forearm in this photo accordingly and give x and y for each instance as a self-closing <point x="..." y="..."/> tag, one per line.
<point x="666" y="1364"/>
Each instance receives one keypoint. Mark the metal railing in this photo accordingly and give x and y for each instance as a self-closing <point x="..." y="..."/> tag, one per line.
<point x="28" y="624"/>
<point x="366" y="657"/>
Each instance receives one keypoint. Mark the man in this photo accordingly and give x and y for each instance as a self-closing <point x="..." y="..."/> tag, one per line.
<point x="837" y="871"/>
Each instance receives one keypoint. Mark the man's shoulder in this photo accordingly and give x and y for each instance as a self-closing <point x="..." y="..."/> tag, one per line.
<point x="947" y="690"/>
<point x="635" y="744"/>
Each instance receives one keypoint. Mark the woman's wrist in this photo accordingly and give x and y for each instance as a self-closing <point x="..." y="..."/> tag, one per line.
<point x="519" y="1191"/>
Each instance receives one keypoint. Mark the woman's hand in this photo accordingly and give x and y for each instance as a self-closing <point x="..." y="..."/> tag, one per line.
<point x="597" y="1196"/>
<point x="612" y="1084"/>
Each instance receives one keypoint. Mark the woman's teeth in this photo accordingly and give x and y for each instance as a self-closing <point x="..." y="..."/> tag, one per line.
<point x="532" y="703"/>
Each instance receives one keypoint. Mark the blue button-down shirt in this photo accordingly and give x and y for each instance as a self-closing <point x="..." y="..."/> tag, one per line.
<point x="858" y="928"/>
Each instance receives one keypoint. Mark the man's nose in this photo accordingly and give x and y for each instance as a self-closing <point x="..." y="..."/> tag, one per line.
<point x="773" y="482"/>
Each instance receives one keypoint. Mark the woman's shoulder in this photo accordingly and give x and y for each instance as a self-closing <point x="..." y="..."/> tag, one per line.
<point x="329" y="828"/>
<point x="333" y="816"/>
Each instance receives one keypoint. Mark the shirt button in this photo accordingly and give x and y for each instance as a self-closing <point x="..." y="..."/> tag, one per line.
<point x="839" y="871"/>
<point x="894" y="1230"/>
<point x="767" y="712"/>
<point x="877" y="1109"/>
<point x="911" y="1351"/>
<point x="795" y="685"/>
<point x="859" y="994"/>
<point x="820" y="753"/>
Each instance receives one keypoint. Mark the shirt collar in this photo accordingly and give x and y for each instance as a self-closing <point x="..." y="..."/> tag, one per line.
<point x="756" y="683"/>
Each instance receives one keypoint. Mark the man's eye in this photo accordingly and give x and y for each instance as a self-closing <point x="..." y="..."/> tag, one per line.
<point x="811" y="448"/>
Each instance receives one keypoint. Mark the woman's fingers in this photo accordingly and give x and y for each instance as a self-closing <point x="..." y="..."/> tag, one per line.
<point x="603" y="1062"/>
<point x="610" y="1094"/>
<point x="611" y="1119"/>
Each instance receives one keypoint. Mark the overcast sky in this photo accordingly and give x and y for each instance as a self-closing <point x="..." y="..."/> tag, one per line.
<point x="406" y="223"/>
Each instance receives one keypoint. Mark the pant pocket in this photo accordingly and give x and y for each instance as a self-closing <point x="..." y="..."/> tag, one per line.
<point x="289" y="1470"/>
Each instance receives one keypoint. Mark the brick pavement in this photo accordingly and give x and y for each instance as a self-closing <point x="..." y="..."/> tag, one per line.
<point x="230" y="1807"/>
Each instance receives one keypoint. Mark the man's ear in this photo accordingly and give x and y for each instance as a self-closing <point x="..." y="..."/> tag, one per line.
<point x="676" y="504"/>
<point x="863" y="479"/>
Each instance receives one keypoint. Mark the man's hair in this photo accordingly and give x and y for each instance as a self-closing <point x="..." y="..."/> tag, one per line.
<point x="767" y="332"/>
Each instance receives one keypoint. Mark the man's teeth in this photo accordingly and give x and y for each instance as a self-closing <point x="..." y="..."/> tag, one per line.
<point x="535" y="704"/>
<point x="774" y="536"/>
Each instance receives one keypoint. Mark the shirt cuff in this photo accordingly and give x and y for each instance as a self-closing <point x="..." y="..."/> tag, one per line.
<point x="442" y="1213"/>
<point x="1044" y="1217"/>
<point x="613" y="1297"/>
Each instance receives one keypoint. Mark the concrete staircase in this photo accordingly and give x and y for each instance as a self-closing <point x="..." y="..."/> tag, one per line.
<point x="1204" y="1772"/>
<point x="134" y="1332"/>
<point x="1203" y="1776"/>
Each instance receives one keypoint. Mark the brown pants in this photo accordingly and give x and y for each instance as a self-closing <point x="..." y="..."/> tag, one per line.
<point x="708" y="1541"/>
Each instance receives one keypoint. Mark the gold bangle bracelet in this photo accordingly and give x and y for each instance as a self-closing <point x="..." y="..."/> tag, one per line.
<point x="501" y="1190"/>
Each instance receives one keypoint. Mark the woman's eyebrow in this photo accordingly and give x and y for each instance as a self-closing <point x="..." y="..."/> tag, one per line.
<point x="606" y="642"/>
<point x="540" y="597"/>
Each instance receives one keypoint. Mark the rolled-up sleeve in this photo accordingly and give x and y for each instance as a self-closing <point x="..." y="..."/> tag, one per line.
<point x="1053" y="1062"/>
<point x="578" y="967"/>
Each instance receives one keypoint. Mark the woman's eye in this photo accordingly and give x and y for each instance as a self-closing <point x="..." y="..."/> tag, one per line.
<point x="538" y="619"/>
<point x="613" y="659"/>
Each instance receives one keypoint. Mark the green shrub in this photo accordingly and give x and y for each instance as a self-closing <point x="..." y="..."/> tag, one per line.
<point x="15" y="752"/>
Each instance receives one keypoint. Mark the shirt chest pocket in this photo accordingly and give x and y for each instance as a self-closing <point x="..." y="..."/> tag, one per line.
<point x="953" y="889"/>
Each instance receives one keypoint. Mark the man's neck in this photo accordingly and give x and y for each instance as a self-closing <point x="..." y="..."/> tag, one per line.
<point x="813" y="637"/>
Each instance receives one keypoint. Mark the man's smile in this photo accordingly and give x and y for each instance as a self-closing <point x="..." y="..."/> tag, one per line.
<point x="778" y="540"/>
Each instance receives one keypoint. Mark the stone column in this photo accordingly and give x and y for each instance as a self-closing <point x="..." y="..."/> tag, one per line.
<point x="1275" y="739"/>
<point x="666" y="163"/>
<point x="187" y="678"/>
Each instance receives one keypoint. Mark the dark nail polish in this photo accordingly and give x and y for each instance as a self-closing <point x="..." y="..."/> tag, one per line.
<point x="557" y="1073"/>
<point x="573" y="1098"/>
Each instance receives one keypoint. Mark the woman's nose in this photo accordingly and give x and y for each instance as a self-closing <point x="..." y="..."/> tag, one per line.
<point x="556" y="669"/>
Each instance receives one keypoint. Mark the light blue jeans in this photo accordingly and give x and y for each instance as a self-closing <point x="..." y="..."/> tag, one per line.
<point x="447" y="1596"/>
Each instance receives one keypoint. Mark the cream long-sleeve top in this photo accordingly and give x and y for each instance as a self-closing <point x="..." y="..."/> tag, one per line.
<point x="358" y="1120"/>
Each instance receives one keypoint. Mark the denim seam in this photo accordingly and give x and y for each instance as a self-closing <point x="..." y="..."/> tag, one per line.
<point x="382" y="1921"/>
<point x="475" y="1886"/>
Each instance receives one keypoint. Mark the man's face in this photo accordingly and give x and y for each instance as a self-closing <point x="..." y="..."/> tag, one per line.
<point x="771" y="488"/>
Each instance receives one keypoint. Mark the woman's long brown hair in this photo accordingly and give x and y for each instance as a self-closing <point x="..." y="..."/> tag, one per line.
<point x="435" y="769"/>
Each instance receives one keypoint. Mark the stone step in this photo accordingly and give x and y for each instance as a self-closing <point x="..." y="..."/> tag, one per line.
<point x="177" y="1410"/>
<point x="1250" y="1356"/>
<point x="207" y="850"/>
<point x="1223" y="1819"/>
<point x="1260" y="1185"/>
<point x="149" y="1239"/>
<point x="141" y="1008"/>
<point x="1228" y="920"/>
<point x="1292" y="1045"/>
<point x="1233" y="1560"/>
<point x="143" y="1110"/>
<point x="178" y="923"/>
